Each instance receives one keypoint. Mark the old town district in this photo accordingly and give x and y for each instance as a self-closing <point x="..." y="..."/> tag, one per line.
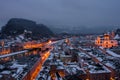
<point x="89" y="57"/>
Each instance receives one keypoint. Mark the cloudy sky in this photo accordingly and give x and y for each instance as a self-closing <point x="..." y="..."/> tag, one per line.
<point x="63" y="12"/>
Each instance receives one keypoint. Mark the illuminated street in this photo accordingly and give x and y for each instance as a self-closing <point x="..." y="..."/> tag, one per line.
<point x="37" y="67"/>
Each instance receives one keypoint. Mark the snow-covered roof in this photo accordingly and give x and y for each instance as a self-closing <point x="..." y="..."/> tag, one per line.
<point x="6" y="72"/>
<point x="101" y="47"/>
<point x="15" y="65"/>
<point x="71" y="47"/>
<point x="1" y="66"/>
<point x="112" y="53"/>
<point x="95" y="69"/>
<point x="0" y="76"/>
<point x="60" y="67"/>
<point x="18" y="39"/>
<point x="86" y="49"/>
<point x="62" y="55"/>
<point x="81" y="54"/>
<point x="110" y="65"/>
<point x="21" y="36"/>
<point x="73" y="69"/>
<point x="117" y="36"/>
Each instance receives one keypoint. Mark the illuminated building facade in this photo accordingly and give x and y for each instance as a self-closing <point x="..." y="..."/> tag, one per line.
<point x="106" y="42"/>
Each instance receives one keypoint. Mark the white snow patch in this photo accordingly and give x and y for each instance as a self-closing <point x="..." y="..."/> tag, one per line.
<point x="117" y="37"/>
<point x="112" y="53"/>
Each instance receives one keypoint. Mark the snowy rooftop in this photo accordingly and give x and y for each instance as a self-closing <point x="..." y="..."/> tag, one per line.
<point x="6" y="72"/>
<point x="81" y="54"/>
<point x="73" y="69"/>
<point x="104" y="58"/>
<point x="15" y="65"/>
<point x="1" y="66"/>
<point x="112" y="53"/>
<point x="91" y="65"/>
<point x="87" y="49"/>
<point x="62" y="55"/>
<point x="0" y="76"/>
<point x="60" y="67"/>
<point x="19" y="67"/>
<point x="117" y="37"/>
<point x="98" y="69"/>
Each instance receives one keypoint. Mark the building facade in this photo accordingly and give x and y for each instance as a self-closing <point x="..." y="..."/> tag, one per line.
<point x="106" y="41"/>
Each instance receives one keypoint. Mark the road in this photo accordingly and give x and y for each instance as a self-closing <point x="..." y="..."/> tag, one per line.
<point x="33" y="73"/>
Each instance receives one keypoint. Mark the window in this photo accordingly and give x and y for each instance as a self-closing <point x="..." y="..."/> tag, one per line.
<point x="106" y="42"/>
<point x="106" y="46"/>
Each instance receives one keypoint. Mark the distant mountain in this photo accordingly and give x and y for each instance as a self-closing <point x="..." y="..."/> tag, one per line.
<point x="16" y="26"/>
<point x="83" y="29"/>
